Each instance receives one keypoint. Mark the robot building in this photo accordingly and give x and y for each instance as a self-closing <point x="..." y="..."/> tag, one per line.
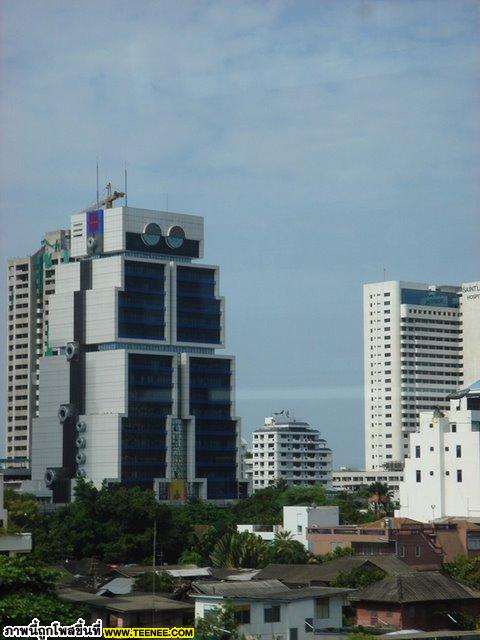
<point x="136" y="392"/>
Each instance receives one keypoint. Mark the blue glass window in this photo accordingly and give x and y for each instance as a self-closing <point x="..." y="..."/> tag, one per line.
<point x="198" y="310"/>
<point x="215" y="430"/>
<point x="141" y="306"/>
<point x="430" y="298"/>
<point x="144" y="430"/>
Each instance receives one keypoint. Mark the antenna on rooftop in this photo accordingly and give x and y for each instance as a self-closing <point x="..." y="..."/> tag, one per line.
<point x="98" y="193"/>
<point x="125" y="176"/>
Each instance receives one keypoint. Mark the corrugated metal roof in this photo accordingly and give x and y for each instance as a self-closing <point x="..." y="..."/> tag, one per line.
<point x="328" y="571"/>
<point x="117" y="586"/>
<point x="239" y="589"/>
<point x="262" y="590"/>
<point x="132" y="602"/>
<point x="422" y="586"/>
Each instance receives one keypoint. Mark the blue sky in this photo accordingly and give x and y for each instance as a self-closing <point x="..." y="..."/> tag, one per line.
<point x="322" y="141"/>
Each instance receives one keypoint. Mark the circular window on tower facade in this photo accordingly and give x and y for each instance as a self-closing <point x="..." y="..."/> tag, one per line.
<point x="151" y="234"/>
<point x="175" y="237"/>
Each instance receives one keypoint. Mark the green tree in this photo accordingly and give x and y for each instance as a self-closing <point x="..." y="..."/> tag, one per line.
<point x="236" y="550"/>
<point x="338" y="552"/>
<point x="380" y="496"/>
<point x="190" y="556"/>
<point x="465" y="570"/>
<point x="305" y="496"/>
<point x="359" y="577"/>
<point x="218" y="624"/>
<point x="114" y="524"/>
<point x="23" y="512"/>
<point x="164" y="582"/>
<point x="285" y="550"/>
<point x="361" y="636"/>
<point x="27" y="590"/>
<point x="262" y="507"/>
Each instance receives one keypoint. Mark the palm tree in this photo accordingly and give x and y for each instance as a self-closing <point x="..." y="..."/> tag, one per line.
<point x="285" y="550"/>
<point x="380" y="496"/>
<point x="236" y="550"/>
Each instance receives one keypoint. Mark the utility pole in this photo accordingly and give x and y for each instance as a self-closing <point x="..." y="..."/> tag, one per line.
<point x="153" y="569"/>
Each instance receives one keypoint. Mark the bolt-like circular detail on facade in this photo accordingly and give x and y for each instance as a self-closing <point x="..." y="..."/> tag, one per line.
<point x="80" y="458"/>
<point x="81" y="442"/>
<point x="151" y="234"/>
<point x="50" y="477"/>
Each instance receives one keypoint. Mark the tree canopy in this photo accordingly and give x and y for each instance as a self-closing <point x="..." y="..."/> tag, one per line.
<point x="115" y="523"/>
<point x="27" y="590"/>
<point x="218" y="624"/>
<point x="465" y="570"/>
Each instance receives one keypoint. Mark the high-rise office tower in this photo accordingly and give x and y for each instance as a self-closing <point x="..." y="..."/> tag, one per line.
<point x="31" y="281"/>
<point x="137" y="393"/>
<point x="421" y="343"/>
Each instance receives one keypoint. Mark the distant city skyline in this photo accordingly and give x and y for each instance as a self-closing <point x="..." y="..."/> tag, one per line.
<point x="323" y="142"/>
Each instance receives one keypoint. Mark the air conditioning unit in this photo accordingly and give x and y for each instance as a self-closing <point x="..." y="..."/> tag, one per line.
<point x="66" y="412"/>
<point x="80" y="458"/>
<point x="81" y="442"/>
<point x="81" y="427"/>
<point x="72" y="350"/>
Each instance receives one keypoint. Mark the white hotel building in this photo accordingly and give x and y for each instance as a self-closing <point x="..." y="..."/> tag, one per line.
<point x="284" y="449"/>
<point x="421" y="343"/>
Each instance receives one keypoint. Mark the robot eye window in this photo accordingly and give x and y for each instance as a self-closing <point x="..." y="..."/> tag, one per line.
<point x="175" y="238"/>
<point x="151" y="234"/>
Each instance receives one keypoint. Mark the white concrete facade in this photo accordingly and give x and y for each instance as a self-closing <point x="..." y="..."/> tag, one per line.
<point x="31" y="283"/>
<point x="442" y="475"/>
<point x="293" y="619"/>
<point x="412" y="361"/>
<point x="284" y="449"/>
<point x="296" y="520"/>
<point x="352" y="480"/>
<point x="470" y="306"/>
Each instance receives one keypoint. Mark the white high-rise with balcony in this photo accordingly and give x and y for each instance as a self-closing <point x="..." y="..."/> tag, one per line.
<point x="421" y="343"/>
<point x="285" y="449"/>
<point x="31" y="283"/>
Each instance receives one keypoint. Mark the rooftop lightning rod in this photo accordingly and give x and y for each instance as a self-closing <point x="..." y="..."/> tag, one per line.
<point x="98" y="193"/>
<point x="126" y="198"/>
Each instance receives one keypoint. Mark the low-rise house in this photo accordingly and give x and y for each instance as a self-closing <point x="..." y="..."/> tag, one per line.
<point x="269" y="609"/>
<point x="311" y="575"/>
<point x="427" y="600"/>
<point x="458" y="537"/>
<point x="409" y="540"/>
<point x="296" y="520"/>
<point x="132" y="610"/>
